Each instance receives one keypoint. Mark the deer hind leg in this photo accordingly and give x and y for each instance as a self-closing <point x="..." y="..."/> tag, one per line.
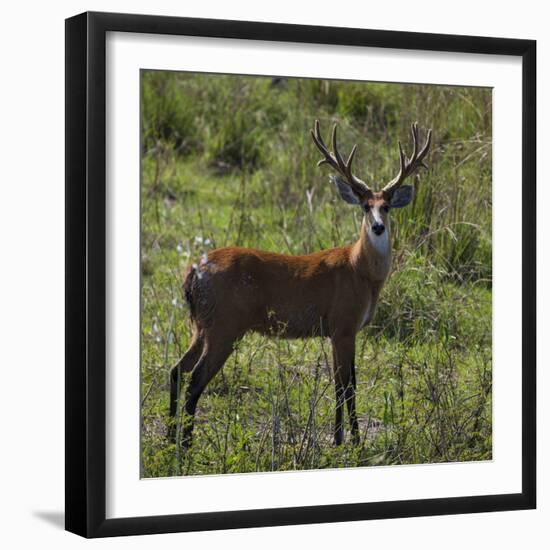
<point x="215" y="353"/>
<point x="343" y="349"/>
<point x="185" y="364"/>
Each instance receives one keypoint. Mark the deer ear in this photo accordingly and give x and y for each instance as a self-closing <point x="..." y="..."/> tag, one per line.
<point x="346" y="192"/>
<point x="402" y="196"/>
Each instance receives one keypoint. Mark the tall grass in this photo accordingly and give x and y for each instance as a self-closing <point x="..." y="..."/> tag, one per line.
<point x="228" y="160"/>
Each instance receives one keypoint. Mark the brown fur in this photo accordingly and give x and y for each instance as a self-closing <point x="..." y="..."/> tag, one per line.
<point x="286" y="296"/>
<point x="330" y="293"/>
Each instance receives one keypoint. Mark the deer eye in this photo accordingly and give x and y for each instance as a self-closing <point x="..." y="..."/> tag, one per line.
<point x="386" y="208"/>
<point x="366" y="208"/>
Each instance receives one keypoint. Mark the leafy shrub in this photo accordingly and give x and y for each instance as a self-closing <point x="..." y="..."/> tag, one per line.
<point x="167" y="113"/>
<point x="368" y="104"/>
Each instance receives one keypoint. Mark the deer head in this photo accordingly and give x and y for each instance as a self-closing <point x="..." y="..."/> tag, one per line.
<point x="375" y="204"/>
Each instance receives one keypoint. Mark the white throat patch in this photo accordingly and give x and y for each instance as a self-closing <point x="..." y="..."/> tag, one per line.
<point x="381" y="243"/>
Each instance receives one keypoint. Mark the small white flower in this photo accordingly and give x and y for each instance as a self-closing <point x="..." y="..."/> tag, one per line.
<point x="179" y="248"/>
<point x="174" y="301"/>
<point x="207" y="242"/>
<point x="155" y="327"/>
<point x="198" y="239"/>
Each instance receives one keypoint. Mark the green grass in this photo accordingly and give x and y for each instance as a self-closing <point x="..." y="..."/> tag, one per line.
<point x="229" y="161"/>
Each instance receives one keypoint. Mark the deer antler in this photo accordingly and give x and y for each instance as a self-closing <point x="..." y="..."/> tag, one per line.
<point x="336" y="161"/>
<point x="408" y="165"/>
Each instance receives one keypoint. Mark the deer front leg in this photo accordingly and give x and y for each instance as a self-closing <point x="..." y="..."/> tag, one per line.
<point x="349" y="396"/>
<point x="343" y="352"/>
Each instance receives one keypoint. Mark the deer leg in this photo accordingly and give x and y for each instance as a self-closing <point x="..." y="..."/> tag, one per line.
<point x="338" y="422"/>
<point x="185" y="364"/>
<point x="343" y="354"/>
<point x="350" y="401"/>
<point x="211" y="361"/>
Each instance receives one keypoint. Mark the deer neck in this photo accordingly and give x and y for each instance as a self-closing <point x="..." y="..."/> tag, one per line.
<point x="371" y="254"/>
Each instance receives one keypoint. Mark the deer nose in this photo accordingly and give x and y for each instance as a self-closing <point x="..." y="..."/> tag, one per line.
<point x="378" y="228"/>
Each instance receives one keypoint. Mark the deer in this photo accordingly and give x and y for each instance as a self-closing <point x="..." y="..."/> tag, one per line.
<point x="331" y="293"/>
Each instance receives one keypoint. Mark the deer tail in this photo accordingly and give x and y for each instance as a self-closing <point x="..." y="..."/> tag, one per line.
<point x="188" y="289"/>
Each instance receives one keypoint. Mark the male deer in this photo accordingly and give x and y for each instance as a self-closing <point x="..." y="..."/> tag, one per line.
<point x="330" y="293"/>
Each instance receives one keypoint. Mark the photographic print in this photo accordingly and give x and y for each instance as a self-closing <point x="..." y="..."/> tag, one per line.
<point x="316" y="274"/>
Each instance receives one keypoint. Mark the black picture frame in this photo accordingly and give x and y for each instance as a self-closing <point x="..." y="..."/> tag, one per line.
<point x="86" y="274"/>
